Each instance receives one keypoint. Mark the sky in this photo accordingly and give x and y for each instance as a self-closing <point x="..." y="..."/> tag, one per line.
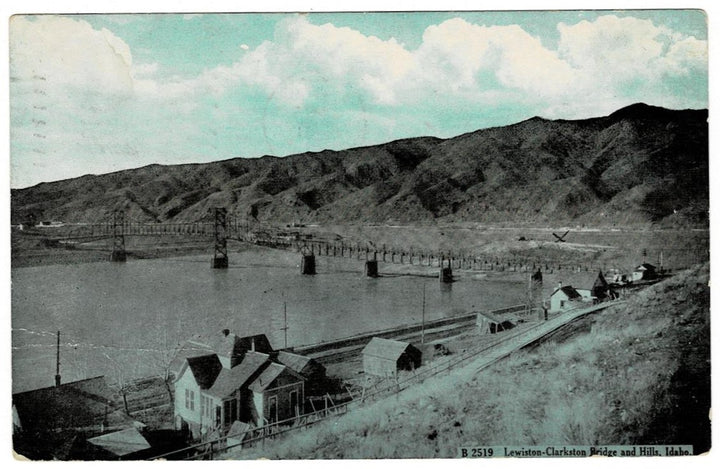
<point x="101" y="93"/>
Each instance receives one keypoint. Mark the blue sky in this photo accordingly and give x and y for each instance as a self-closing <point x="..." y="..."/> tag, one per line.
<point x="100" y="93"/>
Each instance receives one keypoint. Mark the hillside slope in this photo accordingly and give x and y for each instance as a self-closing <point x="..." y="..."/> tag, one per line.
<point x="639" y="165"/>
<point x="634" y="374"/>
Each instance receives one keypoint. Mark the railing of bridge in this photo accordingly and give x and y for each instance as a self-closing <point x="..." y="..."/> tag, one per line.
<point x="405" y="255"/>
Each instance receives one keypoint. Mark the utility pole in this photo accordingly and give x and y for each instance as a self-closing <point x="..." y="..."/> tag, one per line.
<point x="57" y="361"/>
<point x="285" y="317"/>
<point x="422" y="333"/>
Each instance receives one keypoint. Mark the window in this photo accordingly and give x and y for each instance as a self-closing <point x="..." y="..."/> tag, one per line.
<point x="294" y="408"/>
<point x="189" y="399"/>
<point x="272" y="409"/>
<point x="230" y="411"/>
<point x="206" y="409"/>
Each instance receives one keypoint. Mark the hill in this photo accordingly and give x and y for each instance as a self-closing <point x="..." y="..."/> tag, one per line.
<point x="639" y="165"/>
<point x="634" y="374"/>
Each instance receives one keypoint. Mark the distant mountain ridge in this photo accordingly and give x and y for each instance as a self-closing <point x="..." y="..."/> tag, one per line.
<point x="639" y="165"/>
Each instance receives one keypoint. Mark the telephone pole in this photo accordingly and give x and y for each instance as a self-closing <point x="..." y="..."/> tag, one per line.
<point x="422" y="330"/>
<point x="57" y="361"/>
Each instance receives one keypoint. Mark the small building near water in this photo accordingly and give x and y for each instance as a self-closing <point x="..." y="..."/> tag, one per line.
<point x="644" y="271"/>
<point x="385" y="357"/>
<point x="564" y="298"/>
<point x="489" y="323"/>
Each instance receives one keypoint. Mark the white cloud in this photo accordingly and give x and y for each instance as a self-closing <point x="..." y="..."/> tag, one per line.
<point x="686" y="55"/>
<point x="69" y="52"/>
<point x="612" y="50"/>
<point x="83" y="84"/>
<point x="458" y="56"/>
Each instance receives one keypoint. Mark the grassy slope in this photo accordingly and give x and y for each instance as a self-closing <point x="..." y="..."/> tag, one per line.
<point x="634" y="374"/>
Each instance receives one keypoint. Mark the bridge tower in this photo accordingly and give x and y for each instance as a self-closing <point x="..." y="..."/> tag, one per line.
<point x="220" y="258"/>
<point x="118" y="231"/>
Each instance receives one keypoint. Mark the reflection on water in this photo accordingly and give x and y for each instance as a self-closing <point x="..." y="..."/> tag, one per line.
<point x="125" y="320"/>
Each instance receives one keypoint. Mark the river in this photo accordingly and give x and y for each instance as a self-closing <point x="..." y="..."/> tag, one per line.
<point x="124" y="320"/>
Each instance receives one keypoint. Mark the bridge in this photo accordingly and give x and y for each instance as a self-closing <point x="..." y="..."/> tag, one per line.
<point x="219" y="227"/>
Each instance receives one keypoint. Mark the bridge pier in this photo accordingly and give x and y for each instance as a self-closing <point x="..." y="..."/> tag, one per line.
<point x="446" y="274"/>
<point x="118" y="256"/>
<point x="307" y="264"/>
<point x="371" y="268"/>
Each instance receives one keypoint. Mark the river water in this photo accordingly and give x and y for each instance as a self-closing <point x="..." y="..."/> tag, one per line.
<point x="124" y="320"/>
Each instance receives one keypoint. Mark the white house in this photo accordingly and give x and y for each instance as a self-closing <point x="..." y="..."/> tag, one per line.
<point x="564" y="298"/>
<point x="235" y="383"/>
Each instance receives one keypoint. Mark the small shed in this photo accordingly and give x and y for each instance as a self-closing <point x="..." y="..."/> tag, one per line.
<point x="384" y="357"/>
<point x="491" y="324"/>
<point x="644" y="271"/>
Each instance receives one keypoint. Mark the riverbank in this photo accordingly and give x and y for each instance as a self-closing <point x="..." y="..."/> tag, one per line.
<point x="32" y="249"/>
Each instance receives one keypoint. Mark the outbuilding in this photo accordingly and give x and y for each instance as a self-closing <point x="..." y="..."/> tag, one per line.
<point x="644" y="271"/>
<point x="385" y="357"/>
<point x="490" y="324"/>
<point x="314" y="373"/>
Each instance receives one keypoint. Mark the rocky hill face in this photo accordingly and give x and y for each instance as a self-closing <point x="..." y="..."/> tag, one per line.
<point x="639" y="165"/>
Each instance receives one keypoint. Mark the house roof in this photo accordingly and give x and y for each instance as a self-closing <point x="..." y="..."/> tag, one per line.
<point x="232" y="379"/>
<point x="600" y="281"/>
<point x="646" y="266"/>
<point x="189" y="349"/>
<point x="259" y="342"/>
<point x="205" y="369"/>
<point x="79" y="404"/>
<point x="121" y="443"/>
<point x="269" y="375"/>
<point x="385" y="348"/>
<point x="230" y="345"/>
<point x="293" y="361"/>
<point x="569" y="291"/>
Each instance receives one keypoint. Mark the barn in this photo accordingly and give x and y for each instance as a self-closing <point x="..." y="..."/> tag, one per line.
<point x="384" y="357"/>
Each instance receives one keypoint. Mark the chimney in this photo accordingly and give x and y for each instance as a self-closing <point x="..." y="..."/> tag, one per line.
<point x="226" y="332"/>
<point x="252" y="344"/>
<point x="559" y="285"/>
